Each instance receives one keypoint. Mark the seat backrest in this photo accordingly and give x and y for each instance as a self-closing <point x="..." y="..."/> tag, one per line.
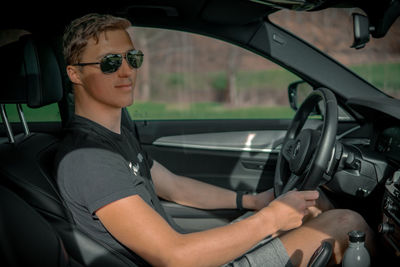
<point x="24" y="82"/>
<point x="33" y="77"/>
<point x="19" y="245"/>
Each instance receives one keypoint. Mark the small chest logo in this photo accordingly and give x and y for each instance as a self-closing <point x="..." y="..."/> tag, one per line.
<point x="134" y="168"/>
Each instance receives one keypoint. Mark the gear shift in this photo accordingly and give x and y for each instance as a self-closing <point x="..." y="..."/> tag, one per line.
<point x="321" y="256"/>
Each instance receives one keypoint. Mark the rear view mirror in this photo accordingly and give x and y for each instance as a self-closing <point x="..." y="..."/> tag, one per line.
<point x="361" y="30"/>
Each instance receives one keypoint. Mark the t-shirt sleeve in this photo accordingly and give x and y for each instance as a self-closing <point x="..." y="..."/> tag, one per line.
<point x="94" y="177"/>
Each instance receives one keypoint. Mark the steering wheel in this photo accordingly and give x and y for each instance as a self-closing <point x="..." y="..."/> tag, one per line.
<point x="305" y="153"/>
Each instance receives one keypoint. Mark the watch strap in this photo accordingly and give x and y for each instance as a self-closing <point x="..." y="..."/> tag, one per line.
<point x="239" y="199"/>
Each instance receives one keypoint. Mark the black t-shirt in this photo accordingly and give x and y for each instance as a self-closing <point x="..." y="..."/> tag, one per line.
<point x="95" y="167"/>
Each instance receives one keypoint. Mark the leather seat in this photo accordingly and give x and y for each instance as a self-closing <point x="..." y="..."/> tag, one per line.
<point x="32" y="76"/>
<point x="36" y="244"/>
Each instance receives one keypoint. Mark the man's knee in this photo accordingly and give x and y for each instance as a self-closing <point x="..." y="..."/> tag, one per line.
<point x="346" y="219"/>
<point x="342" y="221"/>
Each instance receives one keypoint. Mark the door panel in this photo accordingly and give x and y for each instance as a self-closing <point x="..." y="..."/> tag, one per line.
<point x="240" y="141"/>
<point x="229" y="153"/>
<point x="232" y="170"/>
<point x="234" y="160"/>
<point x="234" y="154"/>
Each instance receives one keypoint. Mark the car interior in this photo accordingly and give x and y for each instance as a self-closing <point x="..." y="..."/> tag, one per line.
<point x="357" y="160"/>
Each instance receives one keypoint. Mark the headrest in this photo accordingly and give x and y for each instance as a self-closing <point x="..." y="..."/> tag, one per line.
<point x="29" y="73"/>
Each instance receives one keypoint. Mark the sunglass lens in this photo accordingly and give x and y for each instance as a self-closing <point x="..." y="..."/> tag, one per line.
<point x="111" y="63"/>
<point x="135" y="58"/>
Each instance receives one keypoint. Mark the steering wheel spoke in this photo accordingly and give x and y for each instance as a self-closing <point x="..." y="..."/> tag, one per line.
<point x="291" y="183"/>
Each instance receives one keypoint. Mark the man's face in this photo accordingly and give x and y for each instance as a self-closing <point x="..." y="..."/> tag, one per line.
<point x="115" y="89"/>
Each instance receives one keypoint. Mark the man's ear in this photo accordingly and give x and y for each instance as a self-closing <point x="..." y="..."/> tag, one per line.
<point x="74" y="74"/>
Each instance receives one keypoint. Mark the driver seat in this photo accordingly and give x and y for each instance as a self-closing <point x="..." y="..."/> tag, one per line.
<point x="41" y="247"/>
<point x="32" y="76"/>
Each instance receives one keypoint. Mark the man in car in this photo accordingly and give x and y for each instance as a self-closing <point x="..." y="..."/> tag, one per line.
<point x="112" y="186"/>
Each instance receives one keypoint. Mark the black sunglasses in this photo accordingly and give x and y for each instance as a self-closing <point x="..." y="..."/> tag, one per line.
<point x="110" y="63"/>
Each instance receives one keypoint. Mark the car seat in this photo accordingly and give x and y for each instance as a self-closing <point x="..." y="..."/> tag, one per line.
<point x="32" y="76"/>
<point x="26" y="238"/>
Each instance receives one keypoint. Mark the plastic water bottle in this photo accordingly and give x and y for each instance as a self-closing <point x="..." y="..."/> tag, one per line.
<point x="356" y="254"/>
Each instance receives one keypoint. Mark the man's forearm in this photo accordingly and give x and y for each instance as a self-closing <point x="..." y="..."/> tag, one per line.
<point x="193" y="193"/>
<point x="190" y="192"/>
<point x="197" y="194"/>
<point x="152" y="238"/>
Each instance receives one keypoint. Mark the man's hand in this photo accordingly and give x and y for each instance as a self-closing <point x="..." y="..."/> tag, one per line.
<point x="289" y="209"/>
<point x="322" y="204"/>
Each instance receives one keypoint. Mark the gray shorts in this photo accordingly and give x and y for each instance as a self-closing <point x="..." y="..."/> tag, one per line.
<point x="269" y="252"/>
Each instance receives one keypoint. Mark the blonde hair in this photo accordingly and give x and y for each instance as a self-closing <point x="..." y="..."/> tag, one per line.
<point x="82" y="29"/>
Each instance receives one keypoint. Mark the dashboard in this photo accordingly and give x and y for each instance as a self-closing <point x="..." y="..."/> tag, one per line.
<point x="384" y="115"/>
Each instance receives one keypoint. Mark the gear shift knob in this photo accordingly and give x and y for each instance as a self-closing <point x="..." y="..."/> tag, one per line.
<point x="321" y="256"/>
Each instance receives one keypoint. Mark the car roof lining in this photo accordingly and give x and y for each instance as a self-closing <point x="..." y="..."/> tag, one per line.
<point x="186" y="13"/>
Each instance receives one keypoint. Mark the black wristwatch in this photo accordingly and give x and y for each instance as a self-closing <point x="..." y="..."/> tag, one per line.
<point x="239" y="199"/>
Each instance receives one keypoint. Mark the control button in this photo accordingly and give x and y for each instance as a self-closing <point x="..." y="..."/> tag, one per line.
<point x="385" y="228"/>
<point x="352" y="162"/>
<point x="391" y="208"/>
<point x="396" y="193"/>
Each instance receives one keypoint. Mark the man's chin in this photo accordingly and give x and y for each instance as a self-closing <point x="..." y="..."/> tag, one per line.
<point x="128" y="104"/>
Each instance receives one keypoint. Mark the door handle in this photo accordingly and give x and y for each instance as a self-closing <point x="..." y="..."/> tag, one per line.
<point x="253" y="165"/>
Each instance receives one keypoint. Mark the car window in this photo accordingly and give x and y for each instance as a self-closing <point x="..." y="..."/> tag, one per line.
<point x="189" y="76"/>
<point x="48" y="113"/>
<point x="43" y="114"/>
<point x="331" y="31"/>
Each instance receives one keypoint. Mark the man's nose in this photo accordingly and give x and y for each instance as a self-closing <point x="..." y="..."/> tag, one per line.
<point x="125" y="69"/>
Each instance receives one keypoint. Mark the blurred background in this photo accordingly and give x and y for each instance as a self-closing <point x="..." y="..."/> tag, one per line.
<point x="191" y="76"/>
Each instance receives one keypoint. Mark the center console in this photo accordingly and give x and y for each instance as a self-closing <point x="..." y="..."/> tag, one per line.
<point x="390" y="226"/>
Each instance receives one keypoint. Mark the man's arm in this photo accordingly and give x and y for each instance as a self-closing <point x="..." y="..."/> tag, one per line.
<point x="193" y="193"/>
<point x="141" y="229"/>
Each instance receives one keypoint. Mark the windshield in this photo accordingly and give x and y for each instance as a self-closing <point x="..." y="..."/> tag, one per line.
<point x="331" y="31"/>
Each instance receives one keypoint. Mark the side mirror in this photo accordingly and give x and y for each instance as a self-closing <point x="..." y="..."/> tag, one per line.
<point x="297" y="93"/>
<point x="361" y="30"/>
<point x="292" y="94"/>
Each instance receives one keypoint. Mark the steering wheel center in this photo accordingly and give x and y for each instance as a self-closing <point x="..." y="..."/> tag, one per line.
<point x="301" y="150"/>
